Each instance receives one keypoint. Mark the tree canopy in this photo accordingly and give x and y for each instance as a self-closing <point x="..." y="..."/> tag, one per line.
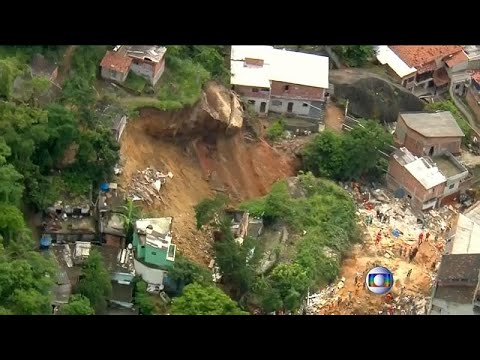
<point x="355" y="55"/>
<point x="77" y="305"/>
<point x="95" y="283"/>
<point x="349" y="155"/>
<point x="197" y="299"/>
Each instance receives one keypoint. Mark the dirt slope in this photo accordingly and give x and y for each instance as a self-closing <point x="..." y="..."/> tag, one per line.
<point x="203" y="159"/>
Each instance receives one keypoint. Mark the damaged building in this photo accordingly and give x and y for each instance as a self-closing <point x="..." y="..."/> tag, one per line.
<point x="153" y="248"/>
<point x="110" y="218"/>
<point x="244" y="225"/>
<point x="70" y="221"/>
<point x="428" y="182"/>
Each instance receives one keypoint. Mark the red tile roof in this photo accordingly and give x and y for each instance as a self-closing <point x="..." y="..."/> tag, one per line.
<point x="419" y="55"/>
<point x="456" y="59"/>
<point x="476" y="76"/>
<point x="116" y="61"/>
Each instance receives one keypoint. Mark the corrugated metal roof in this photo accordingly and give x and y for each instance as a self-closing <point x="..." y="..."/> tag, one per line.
<point x="456" y="267"/>
<point x="438" y="124"/>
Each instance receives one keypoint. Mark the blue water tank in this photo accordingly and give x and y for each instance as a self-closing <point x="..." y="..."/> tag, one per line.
<point x="105" y="187"/>
<point x="45" y="241"/>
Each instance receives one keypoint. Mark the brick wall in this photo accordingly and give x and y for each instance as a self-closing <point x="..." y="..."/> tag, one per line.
<point x="279" y="88"/>
<point x="420" y="145"/>
<point x="401" y="177"/>
<point x="249" y="91"/>
<point x="472" y="100"/>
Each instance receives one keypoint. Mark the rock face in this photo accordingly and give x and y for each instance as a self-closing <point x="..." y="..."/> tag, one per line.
<point x="372" y="97"/>
<point x="219" y="111"/>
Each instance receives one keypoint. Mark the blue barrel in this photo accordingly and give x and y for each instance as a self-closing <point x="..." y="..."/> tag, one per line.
<point x="105" y="187"/>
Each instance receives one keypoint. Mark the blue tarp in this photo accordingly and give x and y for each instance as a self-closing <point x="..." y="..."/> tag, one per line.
<point x="45" y="241"/>
<point x="105" y="187"/>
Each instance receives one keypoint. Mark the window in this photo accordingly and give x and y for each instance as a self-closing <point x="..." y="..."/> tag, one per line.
<point x="287" y="87"/>
<point x="113" y="74"/>
<point x="251" y="102"/>
<point x="276" y="103"/>
<point x="265" y="89"/>
<point x="451" y="186"/>
<point x="254" y="89"/>
<point x="154" y="253"/>
<point x="304" y="104"/>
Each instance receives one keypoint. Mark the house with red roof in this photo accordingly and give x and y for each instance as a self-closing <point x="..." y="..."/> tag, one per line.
<point x="424" y="68"/>
<point x="147" y="61"/>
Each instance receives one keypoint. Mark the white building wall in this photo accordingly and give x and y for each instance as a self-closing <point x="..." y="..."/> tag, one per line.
<point x="257" y="105"/>
<point x="298" y="107"/>
<point x="143" y="70"/>
<point x="149" y="275"/>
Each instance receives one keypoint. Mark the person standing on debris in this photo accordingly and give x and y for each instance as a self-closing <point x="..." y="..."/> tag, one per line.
<point x="427" y="235"/>
<point x="355" y="280"/>
<point x="409" y="273"/>
<point x="414" y="252"/>
<point x="378" y="238"/>
<point x="339" y="301"/>
<point x="420" y="238"/>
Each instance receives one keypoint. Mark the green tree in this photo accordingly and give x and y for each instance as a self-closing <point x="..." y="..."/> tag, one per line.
<point x="9" y="70"/>
<point x="186" y="272"/>
<point x="207" y="209"/>
<point x="31" y="302"/>
<point x="77" y="305"/>
<point x="95" y="283"/>
<point x="233" y="260"/>
<point x="11" y="187"/>
<point x="143" y="300"/>
<point x="291" y="282"/>
<point x="276" y="130"/>
<point x="204" y="300"/>
<point x="355" y="55"/>
<point x="11" y="221"/>
<point x="130" y="214"/>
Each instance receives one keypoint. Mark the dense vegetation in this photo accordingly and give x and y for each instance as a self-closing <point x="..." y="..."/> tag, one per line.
<point x="276" y="130"/>
<point x="197" y="299"/>
<point x="349" y="155"/>
<point x="355" y="55"/>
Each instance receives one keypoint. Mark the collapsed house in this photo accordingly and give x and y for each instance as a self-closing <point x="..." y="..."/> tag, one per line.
<point x="110" y="218"/>
<point x="153" y="249"/>
<point x="70" y="222"/>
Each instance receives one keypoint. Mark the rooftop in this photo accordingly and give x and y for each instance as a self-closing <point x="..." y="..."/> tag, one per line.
<point x="463" y="268"/>
<point x="420" y="168"/>
<point x="448" y="165"/>
<point x="62" y="288"/>
<point x="472" y="51"/>
<point x="122" y="289"/>
<point x="41" y="66"/>
<point x="419" y="55"/>
<point x="455" y="294"/>
<point x="386" y="56"/>
<point x="152" y="53"/>
<point x="71" y="225"/>
<point x="456" y="59"/>
<point x="279" y="65"/>
<point x="437" y="124"/>
<point x="467" y="237"/>
<point x="155" y="232"/>
<point x="473" y="213"/>
<point x="116" y="61"/>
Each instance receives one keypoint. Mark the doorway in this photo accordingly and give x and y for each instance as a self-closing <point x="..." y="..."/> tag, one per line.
<point x="290" y="107"/>
<point x="263" y="107"/>
<point x="430" y="153"/>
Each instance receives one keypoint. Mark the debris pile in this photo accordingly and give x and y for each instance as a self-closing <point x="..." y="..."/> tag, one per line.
<point x="145" y="185"/>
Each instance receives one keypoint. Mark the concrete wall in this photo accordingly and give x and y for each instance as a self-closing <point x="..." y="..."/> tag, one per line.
<point x="148" y="274"/>
<point x="278" y="89"/>
<point x="473" y="97"/>
<point x="158" y="71"/>
<point x="257" y="104"/>
<point x="114" y="75"/>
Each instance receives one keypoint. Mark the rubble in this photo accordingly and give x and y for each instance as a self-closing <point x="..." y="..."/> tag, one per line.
<point x="146" y="185"/>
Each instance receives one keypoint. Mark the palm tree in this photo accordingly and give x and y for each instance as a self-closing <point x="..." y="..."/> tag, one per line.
<point x="129" y="213"/>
